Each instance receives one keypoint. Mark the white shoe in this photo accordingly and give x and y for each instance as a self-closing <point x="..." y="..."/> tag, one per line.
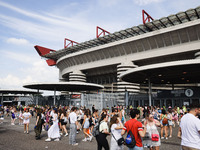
<point x="84" y="140"/>
<point x="24" y="131"/>
<point x="48" y="140"/>
<point x="57" y="139"/>
<point x="75" y="144"/>
<point x="162" y="138"/>
<point x="66" y="134"/>
<point x="61" y="133"/>
<point x="77" y="132"/>
<point x="90" y="138"/>
<point x="166" y="138"/>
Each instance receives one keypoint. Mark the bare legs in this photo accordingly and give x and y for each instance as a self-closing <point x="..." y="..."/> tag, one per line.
<point x="26" y="128"/>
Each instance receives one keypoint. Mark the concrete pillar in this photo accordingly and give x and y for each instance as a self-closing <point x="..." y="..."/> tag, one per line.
<point x="123" y="86"/>
<point x="77" y="76"/>
<point x="173" y="103"/>
<point x="165" y="102"/>
<point x="2" y="99"/>
<point x="37" y="97"/>
<point x="150" y="92"/>
<point x="54" y="99"/>
<point x="190" y="101"/>
<point x="101" y="101"/>
<point x="82" y="99"/>
<point x="160" y="103"/>
<point x="126" y="98"/>
<point x="142" y="102"/>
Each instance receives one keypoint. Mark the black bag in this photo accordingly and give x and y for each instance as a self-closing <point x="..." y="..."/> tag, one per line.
<point x="120" y="141"/>
<point x="95" y="131"/>
<point x="51" y="121"/>
<point x="130" y="140"/>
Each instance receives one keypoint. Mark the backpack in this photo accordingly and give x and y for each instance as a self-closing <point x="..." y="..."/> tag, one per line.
<point x="95" y="131"/>
<point x="130" y="140"/>
<point x="165" y="120"/>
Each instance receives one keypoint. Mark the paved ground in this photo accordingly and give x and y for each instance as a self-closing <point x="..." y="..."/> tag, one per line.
<point x="13" y="138"/>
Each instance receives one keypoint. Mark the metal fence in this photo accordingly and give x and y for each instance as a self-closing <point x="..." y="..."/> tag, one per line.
<point x="102" y="100"/>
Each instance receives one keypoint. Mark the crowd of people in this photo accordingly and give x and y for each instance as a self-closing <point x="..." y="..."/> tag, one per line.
<point x="140" y="124"/>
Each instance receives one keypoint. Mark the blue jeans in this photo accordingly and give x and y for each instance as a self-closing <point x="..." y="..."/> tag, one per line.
<point x="136" y="148"/>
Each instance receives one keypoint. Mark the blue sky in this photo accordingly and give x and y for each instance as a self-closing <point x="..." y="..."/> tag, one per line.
<point x="25" y="23"/>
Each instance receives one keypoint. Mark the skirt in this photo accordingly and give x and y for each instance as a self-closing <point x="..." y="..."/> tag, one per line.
<point x="53" y="131"/>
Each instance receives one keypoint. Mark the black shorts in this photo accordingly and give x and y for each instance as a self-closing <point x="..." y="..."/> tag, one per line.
<point x="62" y="122"/>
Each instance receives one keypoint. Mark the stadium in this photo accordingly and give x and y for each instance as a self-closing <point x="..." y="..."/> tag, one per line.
<point x="156" y="62"/>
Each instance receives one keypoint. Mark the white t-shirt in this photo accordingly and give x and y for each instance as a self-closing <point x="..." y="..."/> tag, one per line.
<point x="26" y="116"/>
<point x="190" y="125"/>
<point x="73" y="117"/>
<point x="103" y="125"/>
<point x="116" y="133"/>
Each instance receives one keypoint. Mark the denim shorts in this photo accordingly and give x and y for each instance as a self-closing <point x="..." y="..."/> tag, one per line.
<point x="162" y="123"/>
<point x="136" y="148"/>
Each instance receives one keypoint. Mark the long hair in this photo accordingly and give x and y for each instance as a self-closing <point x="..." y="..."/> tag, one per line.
<point x="113" y="120"/>
<point x="103" y="116"/>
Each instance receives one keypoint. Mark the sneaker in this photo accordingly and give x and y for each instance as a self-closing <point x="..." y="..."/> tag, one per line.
<point x="90" y="138"/>
<point x="170" y="136"/>
<point x="75" y="144"/>
<point x="66" y="134"/>
<point x="84" y="140"/>
<point x="48" y="140"/>
<point x="61" y="133"/>
<point x="166" y="138"/>
<point x="162" y="138"/>
<point x="24" y="131"/>
<point x="27" y="132"/>
<point x="77" y="132"/>
<point x="57" y="139"/>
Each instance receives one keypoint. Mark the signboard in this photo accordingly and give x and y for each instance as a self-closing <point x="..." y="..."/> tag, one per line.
<point x="189" y="93"/>
<point x="183" y="93"/>
<point x="76" y="96"/>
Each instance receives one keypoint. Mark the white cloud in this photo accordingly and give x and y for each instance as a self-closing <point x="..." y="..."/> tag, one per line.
<point x="14" y="81"/>
<point x="19" y="57"/>
<point x="19" y="41"/>
<point x="146" y="2"/>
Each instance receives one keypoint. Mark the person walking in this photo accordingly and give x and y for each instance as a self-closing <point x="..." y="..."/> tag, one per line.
<point x="136" y="128"/>
<point x="53" y="132"/>
<point x="73" y="126"/>
<point x="152" y="138"/>
<point x="116" y="127"/>
<point x="26" y="120"/>
<point x="164" y="122"/>
<point x="103" y="132"/>
<point x="63" y="121"/>
<point x="170" y="123"/>
<point x="38" y="124"/>
<point x="86" y="125"/>
<point x="190" y="129"/>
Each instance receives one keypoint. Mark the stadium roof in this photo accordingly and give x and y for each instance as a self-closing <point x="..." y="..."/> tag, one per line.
<point x="165" y="22"/>
<point x="64" y="86"/>
<point x="175" y="72"/>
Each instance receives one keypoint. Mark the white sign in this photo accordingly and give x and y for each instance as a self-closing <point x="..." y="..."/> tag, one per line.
<point x="189" y="93"/>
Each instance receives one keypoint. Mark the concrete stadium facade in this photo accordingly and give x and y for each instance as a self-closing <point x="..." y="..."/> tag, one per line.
<point x="102" y="60"/>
